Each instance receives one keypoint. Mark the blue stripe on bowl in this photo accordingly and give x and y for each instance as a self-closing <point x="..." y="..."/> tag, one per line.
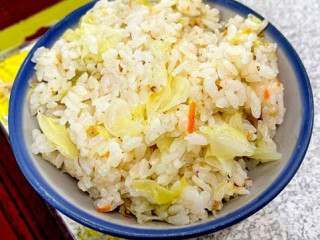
<point x="18" y="96"/>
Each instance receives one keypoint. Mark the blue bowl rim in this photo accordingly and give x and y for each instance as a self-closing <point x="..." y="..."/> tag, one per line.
<point x="20" y="149"/>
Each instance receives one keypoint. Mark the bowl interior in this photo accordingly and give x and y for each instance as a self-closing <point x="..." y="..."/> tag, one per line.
<point x="62" y="191"/>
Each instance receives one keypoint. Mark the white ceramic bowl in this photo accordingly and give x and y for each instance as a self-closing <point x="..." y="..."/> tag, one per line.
<point x="61" y="191"/>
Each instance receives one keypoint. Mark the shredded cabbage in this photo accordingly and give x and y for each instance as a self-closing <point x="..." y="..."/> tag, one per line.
<point x="164" y="143"/>
<point x="236" y="121"/>
<point x="144" y="2"/>
<point x="101" y="130"/>
<point x="58" y="134"/>
<point x="174" y="93"/>
<point x="155" y="100"/>
<point x="159" y="48"/>
<point x="180" y="87"/>
<point x="266" y="150"/>
<point x="223" y="165"/>
<point x="125" y="127"/>
<point x="95" y="41"/>
<point x="160" y="74"/>
<point x="260" y="24"/>
<point x="227" y="142"/>
<point x="119" y="120"/>
<point x="118" y="108"/>
<point x="159" y="71"/>
<point x="71" y="35"/>
<point x="138" y="111"/>
<point x="99" y="149"/>
<point x="156" y="192"/>
<point x="254" y="19"/>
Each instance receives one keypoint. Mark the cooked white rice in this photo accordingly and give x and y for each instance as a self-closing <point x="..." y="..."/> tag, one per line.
<point x="103" y="80"/>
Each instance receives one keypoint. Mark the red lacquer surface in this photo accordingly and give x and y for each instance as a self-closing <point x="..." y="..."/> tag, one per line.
<point x="23" y="213"/>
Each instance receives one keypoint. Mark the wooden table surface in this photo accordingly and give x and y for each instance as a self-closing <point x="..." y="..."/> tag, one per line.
<point x="23" y="213"/>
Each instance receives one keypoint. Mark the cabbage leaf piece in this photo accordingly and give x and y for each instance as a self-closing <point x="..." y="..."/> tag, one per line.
<point x="138" y="111"/>
<point x="266" y="150"/>
<point x="119" y="120"/>
<point x="260" y="25"/>
<point x="163" y="143"/>
<point x="101" y="130"/>
<point x="176" y="92"/>
<point x="180" y="87"/>
<point x="159" y="48"/>
<point x="158" y="193"/>
<point x="227" y="142"/>
<point x="155" y="100"/>
<point x="236" y="121"/>
<point x="58" y="134"/>
<point x="222" y="164"/>
<point x="159" y="71"/>
<point x="126" y="127"/>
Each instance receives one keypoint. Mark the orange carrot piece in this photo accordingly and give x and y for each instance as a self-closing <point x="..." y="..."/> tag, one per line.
<point x="103" y="209"/>
<point x="266" y="94"/>
<point x="278" y="82"/>
<point x="106" y="155"/>
<point x="249" y="135"/>
<point x="247" y="31"/>
<point x="192" y="116"/>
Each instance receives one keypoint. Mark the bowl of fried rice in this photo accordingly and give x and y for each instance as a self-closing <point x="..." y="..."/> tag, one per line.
<point x="161" y="119"/>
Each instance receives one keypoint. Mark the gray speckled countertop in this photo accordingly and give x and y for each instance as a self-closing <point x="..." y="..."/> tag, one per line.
<point x="295" y="213"/>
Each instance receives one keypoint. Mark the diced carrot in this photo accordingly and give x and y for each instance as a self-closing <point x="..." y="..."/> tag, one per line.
<point x="224" y="33"/>
<point x="246" y="31"/>
<point x="278" y="82"/>
<point x="249" y="135"/>
<point x="266" y="94"/>
<point x="106" y="155"/>
<point x="103" y="209"/>
<point x="215" y="205"/>
<point x="192" y="115"/>
<point x="127" y="216"/>
<point x="92" y="131"/>
<point x="202" y="164"/>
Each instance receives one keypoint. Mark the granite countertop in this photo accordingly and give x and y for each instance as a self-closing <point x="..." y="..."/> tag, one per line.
<point x="295" y="213"/>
